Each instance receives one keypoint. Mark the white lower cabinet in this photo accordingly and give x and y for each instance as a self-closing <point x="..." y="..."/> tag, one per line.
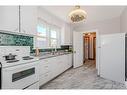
<point x="70" y="60"/>
<point x="44" y="78"/>
<point x="49" y="68"/>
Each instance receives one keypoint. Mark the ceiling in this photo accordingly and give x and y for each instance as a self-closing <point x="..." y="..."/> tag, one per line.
<point x="94" y="13"/>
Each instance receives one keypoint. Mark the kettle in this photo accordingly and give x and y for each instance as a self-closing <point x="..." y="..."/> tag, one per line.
<point x="10" y="57"/>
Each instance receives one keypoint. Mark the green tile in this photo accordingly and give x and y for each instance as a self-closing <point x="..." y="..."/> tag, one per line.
<point x="7" y="39"/>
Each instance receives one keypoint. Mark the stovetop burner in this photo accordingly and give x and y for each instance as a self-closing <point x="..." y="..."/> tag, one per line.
<point x="11" y="61"/>
<point x="27" y="58"/>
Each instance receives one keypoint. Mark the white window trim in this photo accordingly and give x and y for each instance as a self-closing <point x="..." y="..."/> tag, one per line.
<point x="48" y="37"/>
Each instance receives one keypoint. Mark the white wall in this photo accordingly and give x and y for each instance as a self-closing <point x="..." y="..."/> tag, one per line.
<point x="49" y="18"/>
<point x="66" y="33"/>
<point x="104" y="27"/>
<point x="123" y="22"/>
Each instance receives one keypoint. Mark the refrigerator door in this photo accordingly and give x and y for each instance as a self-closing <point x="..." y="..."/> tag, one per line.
<point x="112" y="59"/>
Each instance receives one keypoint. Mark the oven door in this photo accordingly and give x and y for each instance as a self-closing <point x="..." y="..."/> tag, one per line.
<point x="20" y="76"/>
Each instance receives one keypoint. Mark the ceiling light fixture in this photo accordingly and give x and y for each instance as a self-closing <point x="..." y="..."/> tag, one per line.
<point x="89" y="34"/>
<point x="77" y="15"/>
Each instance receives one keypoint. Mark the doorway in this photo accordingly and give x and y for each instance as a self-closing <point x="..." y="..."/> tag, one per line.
<point x="89" y="48"/>
<point x="79" y="51"/>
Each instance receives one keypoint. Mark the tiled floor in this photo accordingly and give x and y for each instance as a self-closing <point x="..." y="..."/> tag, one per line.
<point x="84" y="77"/>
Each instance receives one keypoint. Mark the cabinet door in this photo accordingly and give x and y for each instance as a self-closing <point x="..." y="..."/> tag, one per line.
<point x="58" y="65"/>
<point x="69" y="60"/>
<point x="44" y="66"/>
<point x="9" y="18"/>
<point x="28" y="16"/>
<point x="63" y="63"/>
<point x="44" y="78"/>
<point x="66" y="35"/>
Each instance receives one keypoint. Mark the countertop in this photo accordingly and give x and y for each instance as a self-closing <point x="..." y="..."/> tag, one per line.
<point x="49" y="55"/>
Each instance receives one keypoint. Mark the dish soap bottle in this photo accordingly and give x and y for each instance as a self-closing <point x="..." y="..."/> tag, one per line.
<point x="37" y="52"/>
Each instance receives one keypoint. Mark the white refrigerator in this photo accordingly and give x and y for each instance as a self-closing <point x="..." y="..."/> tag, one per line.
<point x="112" y="57"/>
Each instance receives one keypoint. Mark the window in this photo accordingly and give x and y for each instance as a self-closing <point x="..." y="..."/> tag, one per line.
<point x="41" y="30"/>
<point x="48" y="36"/>
<point x="54" y="37"/>
<point x="41" y="38"/>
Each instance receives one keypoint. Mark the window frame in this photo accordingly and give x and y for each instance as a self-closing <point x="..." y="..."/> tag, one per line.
<point x="57" y="30"/>
<point x="48" y="38"/>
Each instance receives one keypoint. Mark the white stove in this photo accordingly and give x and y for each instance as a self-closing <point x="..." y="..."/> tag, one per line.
<point x="22" y="52"/>
<point x="21" y="72"/>
<point x="10" y="63"/>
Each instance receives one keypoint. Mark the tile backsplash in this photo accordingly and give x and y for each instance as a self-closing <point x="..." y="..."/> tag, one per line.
<point x="7" y="39"/>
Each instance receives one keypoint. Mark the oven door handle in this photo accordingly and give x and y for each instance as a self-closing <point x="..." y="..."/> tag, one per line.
<point x="22" y="67"/>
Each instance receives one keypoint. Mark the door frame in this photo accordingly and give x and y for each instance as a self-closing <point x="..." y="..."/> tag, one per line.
<point x="84" y="47"/>
<point x="94" y="49"/>
<point x="97" y="47"/>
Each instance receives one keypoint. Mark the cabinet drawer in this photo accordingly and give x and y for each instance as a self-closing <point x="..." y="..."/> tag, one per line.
<point x="44" y="61"/>
<point x="43" y="68"/>
<point x="43" y="71"/>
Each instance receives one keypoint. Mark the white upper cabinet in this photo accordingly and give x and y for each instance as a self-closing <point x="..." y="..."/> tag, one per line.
<point x="28" y="19"/>
<point x="66" y="35"/>
<point x="9" y="18"/>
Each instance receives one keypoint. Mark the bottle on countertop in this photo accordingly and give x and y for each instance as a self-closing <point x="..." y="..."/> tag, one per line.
<point x="37" y="51"/>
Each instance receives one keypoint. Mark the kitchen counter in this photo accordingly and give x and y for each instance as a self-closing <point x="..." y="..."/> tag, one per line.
<point x="49" y="55"/>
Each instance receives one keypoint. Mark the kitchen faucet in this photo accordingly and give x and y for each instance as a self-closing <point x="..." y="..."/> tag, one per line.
<point x="54" y="50"/>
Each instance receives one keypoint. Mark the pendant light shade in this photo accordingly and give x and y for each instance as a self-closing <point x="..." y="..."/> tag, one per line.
<point x="77" y="15"/>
